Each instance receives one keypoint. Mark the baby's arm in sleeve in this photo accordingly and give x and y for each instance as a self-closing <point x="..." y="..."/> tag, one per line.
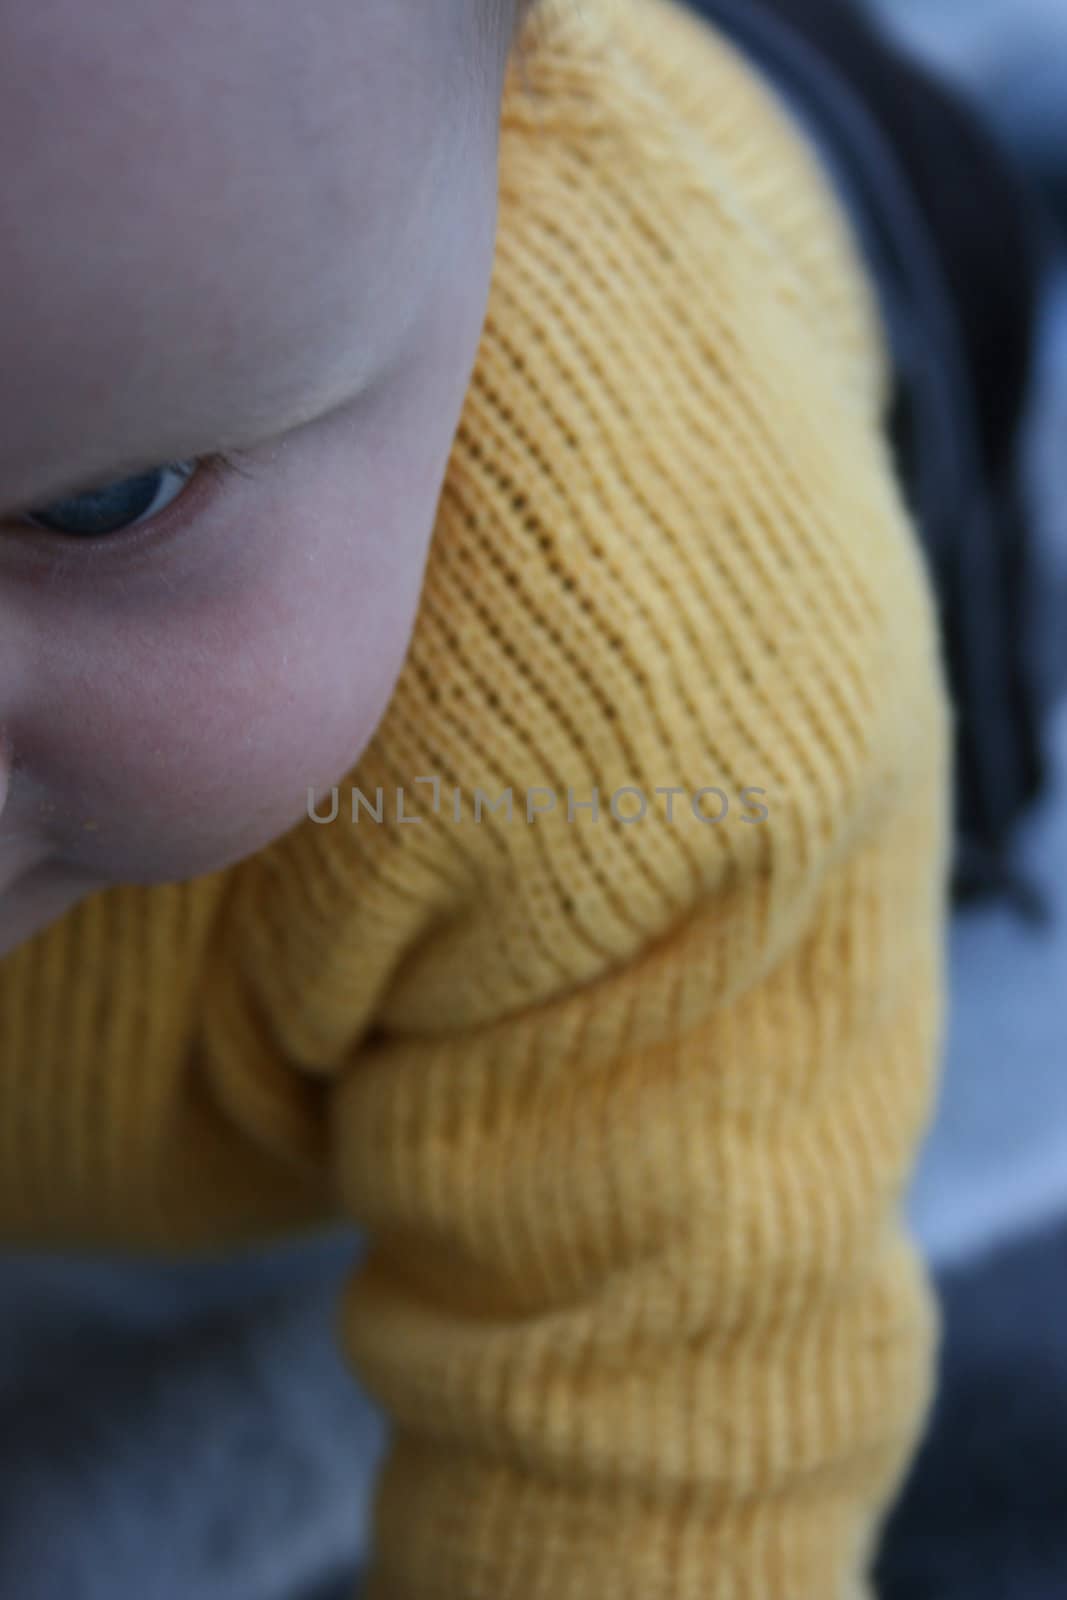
<point x="639" y="1304"/>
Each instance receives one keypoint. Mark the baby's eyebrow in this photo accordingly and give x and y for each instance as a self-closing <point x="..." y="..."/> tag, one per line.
<point x="250" y="420"/>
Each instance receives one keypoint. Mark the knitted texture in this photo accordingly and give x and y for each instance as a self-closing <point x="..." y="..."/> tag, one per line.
<point x="626" y="1100"/>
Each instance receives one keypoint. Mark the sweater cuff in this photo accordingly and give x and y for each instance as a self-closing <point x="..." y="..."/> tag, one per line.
<point x="455" y="1526"/>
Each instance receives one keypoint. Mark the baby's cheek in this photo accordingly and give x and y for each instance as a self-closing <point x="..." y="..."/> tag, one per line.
<point x="206" y="747"/>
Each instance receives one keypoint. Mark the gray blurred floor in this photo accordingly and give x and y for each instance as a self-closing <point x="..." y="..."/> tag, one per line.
<point x="177" y="1432"/>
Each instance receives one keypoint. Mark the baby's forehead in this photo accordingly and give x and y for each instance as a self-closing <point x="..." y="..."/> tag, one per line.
<point x="216" y="215"/>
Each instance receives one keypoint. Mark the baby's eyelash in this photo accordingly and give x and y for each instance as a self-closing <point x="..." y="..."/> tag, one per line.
<point x="222" y="463"/>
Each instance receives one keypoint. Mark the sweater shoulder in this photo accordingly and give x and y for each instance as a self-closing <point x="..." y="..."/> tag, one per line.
<point x="671" y="579"/>
<point x="653" y="92"/>
<point x="670" y="558"/>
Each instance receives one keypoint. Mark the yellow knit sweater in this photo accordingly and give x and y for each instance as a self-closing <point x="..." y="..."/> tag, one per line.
<point x="625" y="1102"/>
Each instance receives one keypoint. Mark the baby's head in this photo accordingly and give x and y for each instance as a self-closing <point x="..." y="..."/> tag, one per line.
<point x="230" y="226"/>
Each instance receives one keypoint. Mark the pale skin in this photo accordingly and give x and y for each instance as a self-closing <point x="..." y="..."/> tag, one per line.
<point x="228" y="225"/>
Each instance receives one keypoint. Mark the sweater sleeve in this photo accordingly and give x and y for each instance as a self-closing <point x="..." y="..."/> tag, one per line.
<point x="630" y="1132"/>
<point x="640" y="1306"/>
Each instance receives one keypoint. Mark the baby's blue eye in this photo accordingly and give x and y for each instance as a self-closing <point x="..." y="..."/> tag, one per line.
<point x="117" y="507"/>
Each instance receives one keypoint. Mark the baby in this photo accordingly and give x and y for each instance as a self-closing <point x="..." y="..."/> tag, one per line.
<point x="477" y="416"/>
